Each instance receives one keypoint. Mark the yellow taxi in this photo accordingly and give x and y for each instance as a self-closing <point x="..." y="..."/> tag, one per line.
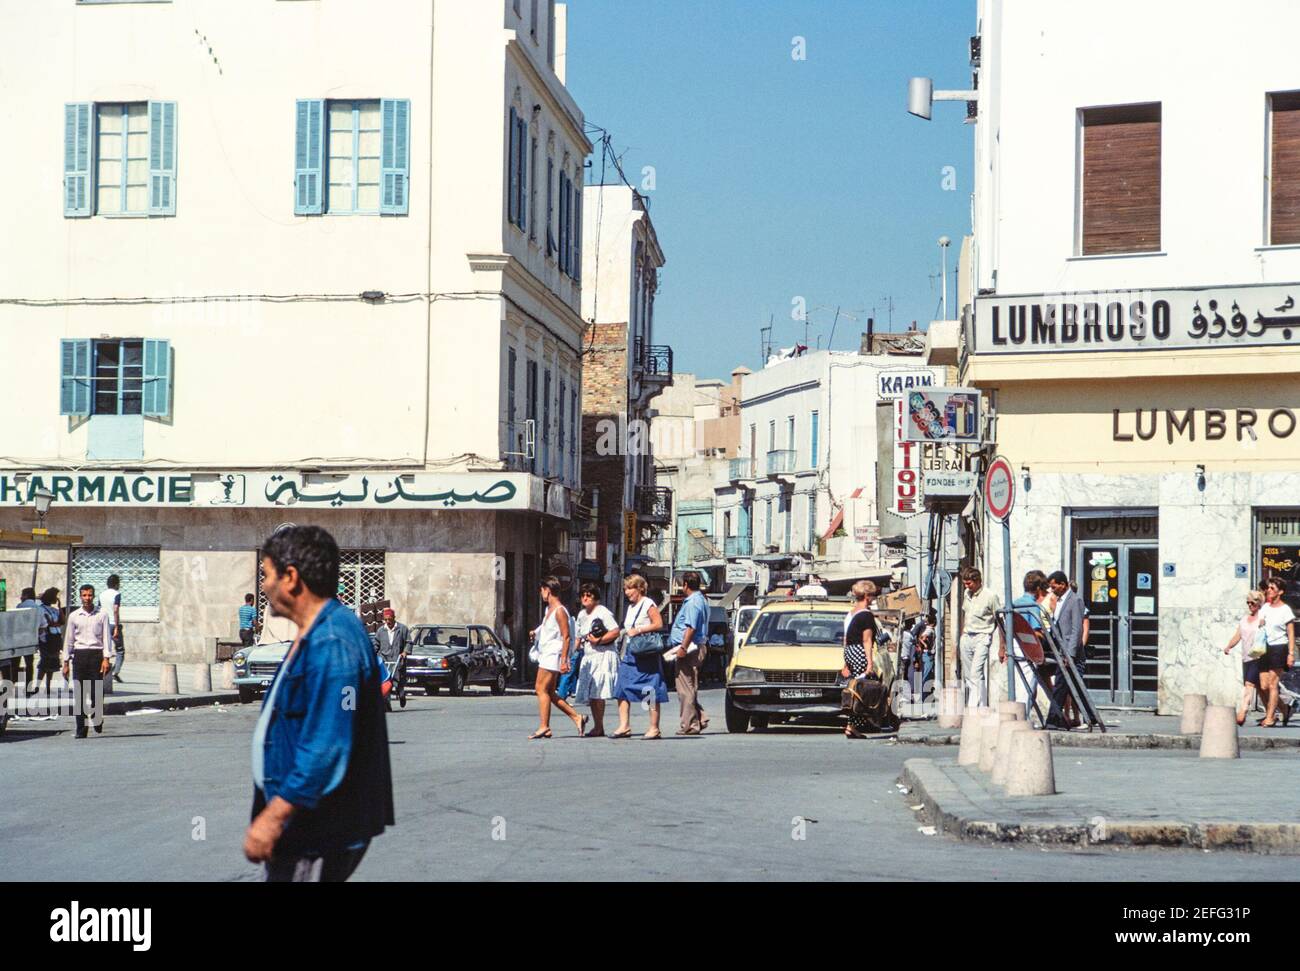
<point x="788" y="663"/>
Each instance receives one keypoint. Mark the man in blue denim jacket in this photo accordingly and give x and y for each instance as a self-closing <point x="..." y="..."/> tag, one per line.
<point x="322" y="783"/>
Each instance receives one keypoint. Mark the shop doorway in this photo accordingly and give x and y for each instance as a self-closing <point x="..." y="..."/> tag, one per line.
<point x="1119" y="581"/>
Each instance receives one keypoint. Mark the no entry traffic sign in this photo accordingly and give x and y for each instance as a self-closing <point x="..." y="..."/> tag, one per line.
<point x="1000" y="489"/>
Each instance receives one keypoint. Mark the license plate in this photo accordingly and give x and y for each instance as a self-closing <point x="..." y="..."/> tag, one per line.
<point x="795" y="694"/>
<point x="266" y="683"/>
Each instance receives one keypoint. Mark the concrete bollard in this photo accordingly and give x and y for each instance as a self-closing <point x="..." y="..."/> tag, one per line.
<point x="1219" y="733"/>
<point x="202" y="679"/>
<point x="1002" y="759"/>
<point x="228" y="675"/>
<point x="1029" y="767"/>
<point x="989" y="740"/>
<point x="1193" y="714"/>
<point x="950" y="708"/>
<point x="1011" y="711"/>
<point x="972" y="725"/>
<point x="167" y="684"/>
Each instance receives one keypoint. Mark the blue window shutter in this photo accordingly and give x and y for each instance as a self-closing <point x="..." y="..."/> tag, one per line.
<point x="550" y="206"/>
<point x="564" y="223"/>
<point x="74" y="378"/>
<point x="523" y="174"/>
<point x="78" y="159"/>
<point x="577" y="233"/>
<point x="397" y="158"/>
<point x="162" y="158"/>
<point x="157" y="378"/>
<point x="309" y="159"/>
<point x="512" y="206"/>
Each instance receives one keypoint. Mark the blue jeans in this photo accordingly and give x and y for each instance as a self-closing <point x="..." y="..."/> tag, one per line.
<point x="568" y="683"/>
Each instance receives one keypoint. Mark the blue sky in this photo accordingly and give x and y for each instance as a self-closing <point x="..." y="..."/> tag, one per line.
<point x="779" y="178"/>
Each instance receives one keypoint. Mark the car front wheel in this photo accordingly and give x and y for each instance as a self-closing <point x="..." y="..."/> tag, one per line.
<point x="737" y="720"/>
<point x="456" y="686"/>
<point x="246" y="695"/>
<point x="499" y="685"/>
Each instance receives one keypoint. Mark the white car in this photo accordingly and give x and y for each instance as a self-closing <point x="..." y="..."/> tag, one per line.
<point x="255" y="667"/>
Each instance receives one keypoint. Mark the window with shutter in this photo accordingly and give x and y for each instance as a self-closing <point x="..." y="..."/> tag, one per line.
<point x="77" y="160"/>
<point x="309" y="154"/>
<point x="396" y="157"/>
<point x="1120" y="185"/>
<point x="550" y="207"/>
<point x="157" y="378"/>
<point x="162" y="158"/>
<point x="512" y="191"/>
<point x="1284" y="169"/>
<point x="74" y="378"/>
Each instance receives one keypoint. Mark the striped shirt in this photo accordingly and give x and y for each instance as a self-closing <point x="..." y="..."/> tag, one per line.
<point x="247" y="614"/>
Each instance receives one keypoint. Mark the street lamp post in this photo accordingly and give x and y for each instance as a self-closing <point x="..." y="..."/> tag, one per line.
<point x="42" y="499"/>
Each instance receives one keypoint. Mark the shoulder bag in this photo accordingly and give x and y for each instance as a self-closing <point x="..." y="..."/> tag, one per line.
<point x="1260" y="647"/>
<point x="643" y="644"/>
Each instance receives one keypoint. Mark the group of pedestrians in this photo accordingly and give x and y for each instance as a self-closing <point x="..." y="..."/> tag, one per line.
<point x="1048" y="602"/>
<point x="620" y="663"/>
<point x="1266" y="635"/>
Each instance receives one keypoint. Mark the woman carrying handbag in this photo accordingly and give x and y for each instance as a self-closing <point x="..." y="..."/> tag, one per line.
<point x="640" y="670"/>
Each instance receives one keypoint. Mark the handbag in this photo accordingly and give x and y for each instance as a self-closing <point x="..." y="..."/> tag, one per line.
<point x="642" y="645"/>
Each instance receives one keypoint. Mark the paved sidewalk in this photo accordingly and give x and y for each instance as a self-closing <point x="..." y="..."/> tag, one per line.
<point x="138" y="692"/>
<point x="1127" y="730"/>
<point x="1164" y="799"/>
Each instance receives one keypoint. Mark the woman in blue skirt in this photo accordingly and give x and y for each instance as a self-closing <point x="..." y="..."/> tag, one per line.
<point x="639" y="679"/>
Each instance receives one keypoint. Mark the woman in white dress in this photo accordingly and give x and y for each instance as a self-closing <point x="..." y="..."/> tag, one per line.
<point x="599" y="670"/>
<point x="552" y="642"/>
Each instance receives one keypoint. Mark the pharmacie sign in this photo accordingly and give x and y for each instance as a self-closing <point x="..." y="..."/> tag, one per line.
<point x="262" y="490"/>
<point x="1139" y="320"/>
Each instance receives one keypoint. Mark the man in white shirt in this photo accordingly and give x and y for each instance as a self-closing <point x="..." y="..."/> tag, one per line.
<point x="113" y="608"/>
<point x="980" y="607"/>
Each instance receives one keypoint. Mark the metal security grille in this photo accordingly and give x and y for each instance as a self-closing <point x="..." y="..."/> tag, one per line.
<point x="361" y="572"/>
<point x="137" y="568"/>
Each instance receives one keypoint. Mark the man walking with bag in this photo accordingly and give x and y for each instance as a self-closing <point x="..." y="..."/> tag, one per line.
<point x="689" y="636"/>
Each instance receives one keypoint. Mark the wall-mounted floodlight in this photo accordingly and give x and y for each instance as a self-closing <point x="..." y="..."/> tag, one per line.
<point x="921" y="97"/>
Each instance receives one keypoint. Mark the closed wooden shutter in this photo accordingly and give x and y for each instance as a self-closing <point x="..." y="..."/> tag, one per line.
<point x="1121" y="180"/>
<point x="1284" y="186"/>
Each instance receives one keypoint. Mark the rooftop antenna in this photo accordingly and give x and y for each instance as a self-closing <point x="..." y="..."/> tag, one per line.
<point x="766" y="337"/>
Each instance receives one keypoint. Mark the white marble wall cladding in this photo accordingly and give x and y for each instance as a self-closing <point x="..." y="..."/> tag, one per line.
<point x="1205" y="531"/>
<point x="438" y="566"/>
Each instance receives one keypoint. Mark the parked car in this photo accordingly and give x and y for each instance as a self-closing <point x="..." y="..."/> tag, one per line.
<point x="255" y="667"/>
<point x="455" y="656"/>
<point x="790" y="660"/>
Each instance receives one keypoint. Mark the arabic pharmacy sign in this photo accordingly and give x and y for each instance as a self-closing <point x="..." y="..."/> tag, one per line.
<point x="1139" y="320"/>
<point x="263" y="490"/>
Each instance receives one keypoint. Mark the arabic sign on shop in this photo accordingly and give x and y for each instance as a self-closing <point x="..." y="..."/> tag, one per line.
<point x="261" y="490"/>
<point x="1138" y="320"/>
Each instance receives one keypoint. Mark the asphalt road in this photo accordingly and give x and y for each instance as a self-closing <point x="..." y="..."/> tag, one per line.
<point x="166" y="796"/>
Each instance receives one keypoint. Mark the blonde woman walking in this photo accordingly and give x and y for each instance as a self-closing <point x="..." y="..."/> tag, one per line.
<point x="1244" y="635"/>
<point x="640" y="672"/>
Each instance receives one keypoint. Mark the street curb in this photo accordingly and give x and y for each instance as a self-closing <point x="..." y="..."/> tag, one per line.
<point x="951" y="812"/>
<point x="1130" y="742"/>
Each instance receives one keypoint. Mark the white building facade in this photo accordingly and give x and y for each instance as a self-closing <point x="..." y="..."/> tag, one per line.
<point x="623" y="369"/>
<point x="801" y="498"/>
<point x="1137" y="256"/>
<point x="305" y="264"/>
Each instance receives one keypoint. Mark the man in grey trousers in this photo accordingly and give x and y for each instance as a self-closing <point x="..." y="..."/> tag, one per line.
<point x="1067" y="625"/>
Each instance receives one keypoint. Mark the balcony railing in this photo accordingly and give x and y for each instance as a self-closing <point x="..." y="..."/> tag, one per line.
<point x="781" y="461"/>
<point x="653" y="361"/>
<point x="739" y="546"/>
<point x="740" y="470"/>
<point x="654" y="505"/>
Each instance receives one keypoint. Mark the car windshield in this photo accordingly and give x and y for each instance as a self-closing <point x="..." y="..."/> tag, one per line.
<point x="445" y="637"/>
<point x="797" y="628"/>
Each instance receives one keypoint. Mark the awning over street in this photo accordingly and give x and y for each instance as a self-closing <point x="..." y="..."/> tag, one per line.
<point x="847" y="571"/>
<point x="733" y="594"/>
